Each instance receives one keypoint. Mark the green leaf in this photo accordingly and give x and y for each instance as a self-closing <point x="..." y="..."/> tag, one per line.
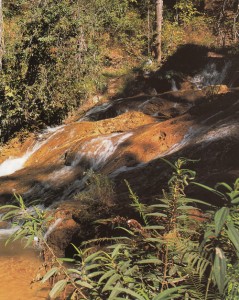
<point x="89" y="267"/>
<point x="92" y="256"/>
<point x="84" y="284"/>
<point x="235" y="201"/>
<point x="169" y="163"/>
<point x="220" y="269"/>
<point x="170" y="293"/>
<point x="191" y="200"/>
<point x="210" y="189"/>
<point x="58" y="288"/>
<point x="129" y="292"/>
<point x="8" y="206"/>
<point x="116" y="251"/>
<point x="220" y="219"/>
<point x="112" y="280"/>
<point x="94" y="274"/>
<point x="156" y="215"/>
<point x="106" y="275"/>
<point x="233" y="235"/>
<point x="225" y="185"/>
<point x="114" y="292"/>
<point x="154" y="261"/>
<point x="49" y="274"/>
<point x="65" y="259"/>
<point x="185" y="207"/>
<point x="29" y="241"/>
<point x="74" y="271"/>
<point x="154" y="227"/>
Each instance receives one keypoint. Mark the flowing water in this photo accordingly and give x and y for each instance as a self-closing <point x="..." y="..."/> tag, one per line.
<point x="18" y="266"/>
<point x="211" y="75"/>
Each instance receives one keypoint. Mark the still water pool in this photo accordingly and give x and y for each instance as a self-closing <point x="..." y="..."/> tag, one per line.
<point x="18" y="267"/>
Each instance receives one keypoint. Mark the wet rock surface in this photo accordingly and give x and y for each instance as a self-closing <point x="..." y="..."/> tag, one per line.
<point x="125" y="139"/>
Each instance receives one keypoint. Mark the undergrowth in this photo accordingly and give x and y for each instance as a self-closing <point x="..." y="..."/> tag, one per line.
<point x="173" y="250"/>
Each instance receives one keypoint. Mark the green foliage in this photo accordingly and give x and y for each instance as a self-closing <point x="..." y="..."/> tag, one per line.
<point x="165" y="251"/>
<point x="99" y="190"/>
<point x="55" y="60"/>
<point x="33" y="221"/>
<point x="186" y="10"/>
<point x="169" y="255"/>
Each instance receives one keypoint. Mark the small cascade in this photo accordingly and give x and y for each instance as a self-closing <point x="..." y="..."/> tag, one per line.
<point x="11" y="165"/>
<point x="96" y="152"/>
<point x="6" y="232"/>
<point x="196" y="135"/>
<point x="99" y="149"/>
<point x="53" y="227"/>
<point x="173" y="85"/>
<point x="95" y="110"/>
<point x="211" y="75"/>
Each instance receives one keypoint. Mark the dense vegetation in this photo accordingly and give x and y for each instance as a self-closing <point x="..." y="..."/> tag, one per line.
<point x="171" y="251"/>
<point x="59" y="53"/>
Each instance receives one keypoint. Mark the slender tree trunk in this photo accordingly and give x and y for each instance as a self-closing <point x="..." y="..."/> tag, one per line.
<point x="149" y="37"/>
<point x="159" y="21"/>
<point x="235" y="31"/>
<point x="1" y="36"/>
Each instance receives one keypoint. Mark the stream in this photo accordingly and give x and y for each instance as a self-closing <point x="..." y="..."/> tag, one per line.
<point x="55" y="167"/>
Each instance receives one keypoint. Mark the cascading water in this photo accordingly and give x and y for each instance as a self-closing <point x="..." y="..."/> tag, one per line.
<point x="96" y="152"/>
<point x="99" y="149"/>
<point x="211" y="75"/>
<point x="11" y="165"/>
<point x="173" y="85"/>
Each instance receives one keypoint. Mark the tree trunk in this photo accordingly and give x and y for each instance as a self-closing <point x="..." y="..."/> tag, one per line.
<point x="1" y="36"/>
<point x="159" y="21"/>
<point x="235" y="19"/>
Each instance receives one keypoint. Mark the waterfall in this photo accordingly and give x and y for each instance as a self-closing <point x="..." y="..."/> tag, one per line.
<point x="211" y="75"/>
<point x="99" y="149"/>
<point x="173" y="85"/>
<point x="11" y="165"/>
<point x="96" y="152"/>
<point x="52" y="227"/>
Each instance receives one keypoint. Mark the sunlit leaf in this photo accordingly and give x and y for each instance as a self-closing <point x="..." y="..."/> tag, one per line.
<point x="58" y="288"/>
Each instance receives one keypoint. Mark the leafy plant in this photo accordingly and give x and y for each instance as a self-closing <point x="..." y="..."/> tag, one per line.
<point x="167" y="253"/>
<point x="30" y="222"/>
